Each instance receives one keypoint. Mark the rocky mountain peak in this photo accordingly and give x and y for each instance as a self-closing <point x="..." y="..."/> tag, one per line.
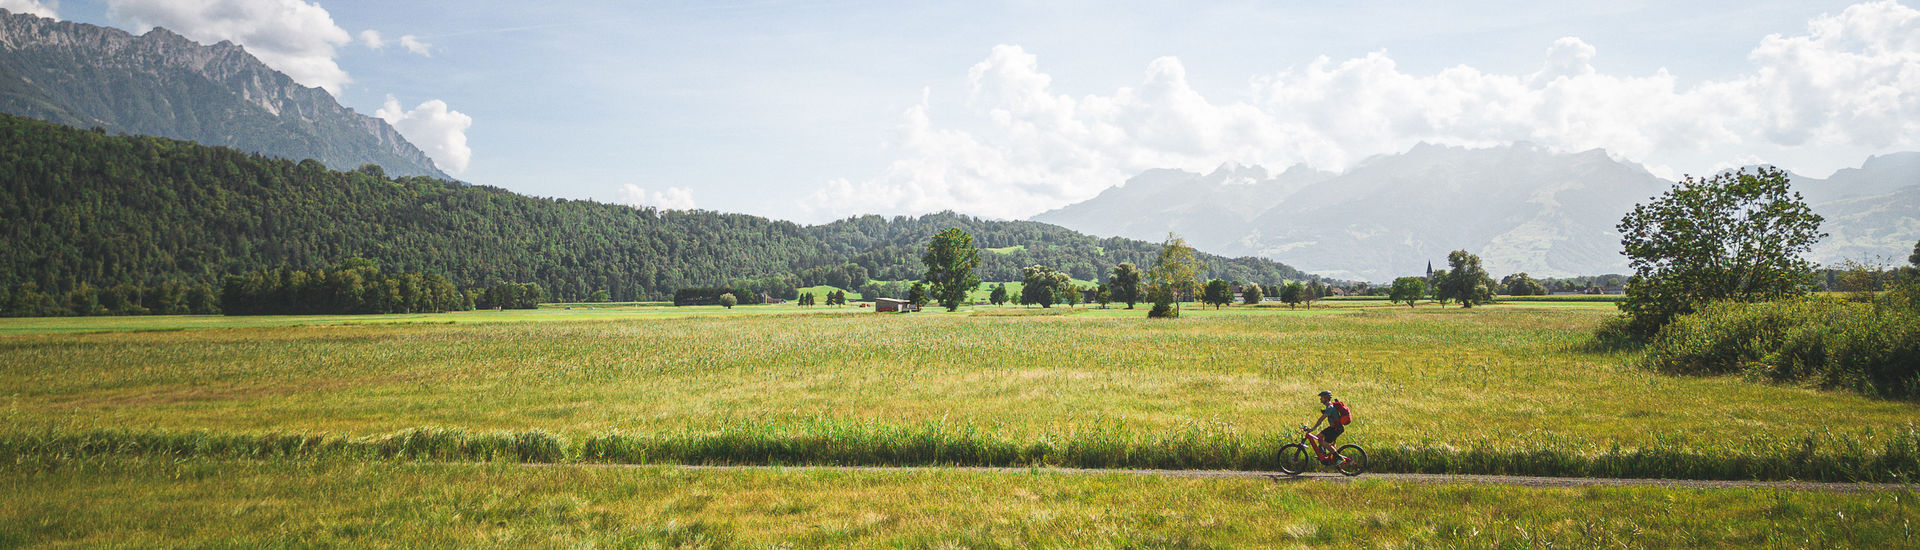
<point x="162" y="83"/>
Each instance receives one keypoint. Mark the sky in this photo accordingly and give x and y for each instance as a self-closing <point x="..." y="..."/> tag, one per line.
<point x="816" y="111"/>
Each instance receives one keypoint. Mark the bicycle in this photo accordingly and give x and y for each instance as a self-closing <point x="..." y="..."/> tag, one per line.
<point x="1350" y="460"/>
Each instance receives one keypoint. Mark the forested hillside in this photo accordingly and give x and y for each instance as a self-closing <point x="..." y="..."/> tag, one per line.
<point x="85" y="207"/>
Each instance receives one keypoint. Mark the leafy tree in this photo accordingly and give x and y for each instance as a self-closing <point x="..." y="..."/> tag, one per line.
<point x="1069" y="293"/>
<point x="999" y="294"/>
<point x="917" y="294"/>
<point x="600" y="296"/>
<point x="122" y="299"/>
<point x="1434" y="284"/>
<point x="1408" y="290"/>
<point x="1218" y="293"/>
<point x="1103" y="294"/>
<point x="806" y="299"/>
<point x="1042" y="285"/>
<point x="1293" y="294"/>
<point x="84" y="300"/>
<point x="1126" y="284"/>
<point x="1520" y="284"/>
<point x="28" y="301"/>
<point x="728" y="300"/>
<point x="950" y="260"/>
<point x="201" y="300"/>
<point x="1465" y="282"/>
<point x="1735" y="236"/>
<point x="1316" y="290"/>
<point x="1252" y="294"/>
<point x="1175" y="272"/>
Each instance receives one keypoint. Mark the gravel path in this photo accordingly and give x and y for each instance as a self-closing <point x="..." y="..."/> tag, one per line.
<point x="1529" y="481"/>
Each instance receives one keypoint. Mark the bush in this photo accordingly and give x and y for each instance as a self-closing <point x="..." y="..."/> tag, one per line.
<point x="1162" y="311"/>
<point x="1869" y="348"/>
<point x="1617" y="333"/>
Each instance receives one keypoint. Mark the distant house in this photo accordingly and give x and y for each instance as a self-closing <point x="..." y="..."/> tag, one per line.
<point x="884" y="305"/>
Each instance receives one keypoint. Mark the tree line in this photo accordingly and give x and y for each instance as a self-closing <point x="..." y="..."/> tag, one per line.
<point x="357" y="286"/>
<point x="86" y="211"/>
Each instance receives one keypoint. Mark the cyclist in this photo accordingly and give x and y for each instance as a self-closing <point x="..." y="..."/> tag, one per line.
<point x="1331" y="412"/>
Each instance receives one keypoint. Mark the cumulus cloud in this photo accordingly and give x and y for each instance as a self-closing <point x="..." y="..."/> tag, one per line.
<point x="1851" y="82"/>
<point x="49" y="9"/>
<point x="435" y="129"/>
<point x="414" y="45"/>
<point x="292" y="36"/>
<point x="673" y="198"/>
<point x="372" y="39"/>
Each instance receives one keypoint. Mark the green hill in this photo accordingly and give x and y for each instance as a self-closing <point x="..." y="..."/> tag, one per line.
<point x="86" y="207"/>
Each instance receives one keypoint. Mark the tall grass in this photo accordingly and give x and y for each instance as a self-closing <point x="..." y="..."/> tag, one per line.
<point x="1890" y="457"/>
<point x="142" y="503"/>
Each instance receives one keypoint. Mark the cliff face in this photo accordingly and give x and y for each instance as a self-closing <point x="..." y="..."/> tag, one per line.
<point x="163" y="84"/>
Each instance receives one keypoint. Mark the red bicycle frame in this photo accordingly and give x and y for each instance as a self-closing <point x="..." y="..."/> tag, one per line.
<point x="1313" y="440"/>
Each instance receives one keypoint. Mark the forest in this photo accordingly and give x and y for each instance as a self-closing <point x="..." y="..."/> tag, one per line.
<point x="84" y="207"/>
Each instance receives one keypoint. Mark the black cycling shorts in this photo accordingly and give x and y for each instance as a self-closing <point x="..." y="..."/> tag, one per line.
<point x="1331" y="433"/>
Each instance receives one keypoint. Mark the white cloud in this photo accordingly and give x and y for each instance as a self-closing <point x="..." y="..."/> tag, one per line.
<point x="415" y="45"/>
<point x="292" y="36"/>
<point x="1851" y="84"/>
<point x="372" y="39"/>
<point x="673" y="198"/>
<point x="435" y="129"/>
<point x="49" y="9"/>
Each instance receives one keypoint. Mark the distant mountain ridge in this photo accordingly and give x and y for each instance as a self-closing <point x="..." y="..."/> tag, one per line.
<point x="1520" y="207"/>
<point x="162" y="84"/>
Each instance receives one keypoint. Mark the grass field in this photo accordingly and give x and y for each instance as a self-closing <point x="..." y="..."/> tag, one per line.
<point x="366" y="430"/>
<point x="1494" y="389"/>
<point x="135" y="503"/>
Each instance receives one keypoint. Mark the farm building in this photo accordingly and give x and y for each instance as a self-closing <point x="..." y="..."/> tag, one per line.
<point x="884" y="305"/>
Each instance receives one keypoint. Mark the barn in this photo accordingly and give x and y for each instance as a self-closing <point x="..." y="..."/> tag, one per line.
<point x="884" y="305"/>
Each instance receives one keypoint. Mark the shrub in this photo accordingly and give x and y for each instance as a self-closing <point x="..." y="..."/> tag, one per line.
<point x="1162" y="311"/>
<point x="1869" y="348"/>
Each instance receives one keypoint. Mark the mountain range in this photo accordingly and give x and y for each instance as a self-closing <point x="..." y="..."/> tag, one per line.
<point x="162" y="84"/>
<point x="1521" y="207"/>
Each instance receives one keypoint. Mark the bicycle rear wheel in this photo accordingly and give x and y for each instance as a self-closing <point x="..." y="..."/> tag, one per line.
<point x="1354" y="460"/>
<point x="1293" y="459"/>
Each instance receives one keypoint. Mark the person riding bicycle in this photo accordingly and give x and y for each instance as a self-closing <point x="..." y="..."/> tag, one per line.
<point x="1334" y="413"/>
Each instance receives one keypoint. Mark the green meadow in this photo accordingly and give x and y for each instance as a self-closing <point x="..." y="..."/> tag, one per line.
<point x="1504" y="389"/>
<point x="516" y="428"/>
<point x="168" y="503"/>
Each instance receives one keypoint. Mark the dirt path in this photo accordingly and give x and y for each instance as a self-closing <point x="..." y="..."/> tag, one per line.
<point x="1528" y="481"/>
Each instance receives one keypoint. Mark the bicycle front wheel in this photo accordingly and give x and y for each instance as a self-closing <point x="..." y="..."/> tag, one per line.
<point x="1353" y="460"/>
<point x="1293" y="459"/>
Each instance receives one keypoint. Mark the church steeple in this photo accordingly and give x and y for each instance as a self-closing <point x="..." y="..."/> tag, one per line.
<point x="1429" y="269"/>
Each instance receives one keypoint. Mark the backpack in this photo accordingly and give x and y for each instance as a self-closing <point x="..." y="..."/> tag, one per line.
<point x="1346" y="415"/>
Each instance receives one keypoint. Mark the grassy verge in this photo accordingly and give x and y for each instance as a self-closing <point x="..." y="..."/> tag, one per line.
<point x="142" y="503"/>
<point x="1895" y="459"/>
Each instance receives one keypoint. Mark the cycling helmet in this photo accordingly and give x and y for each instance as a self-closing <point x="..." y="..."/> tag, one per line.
<point x="1326" y="393"/>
